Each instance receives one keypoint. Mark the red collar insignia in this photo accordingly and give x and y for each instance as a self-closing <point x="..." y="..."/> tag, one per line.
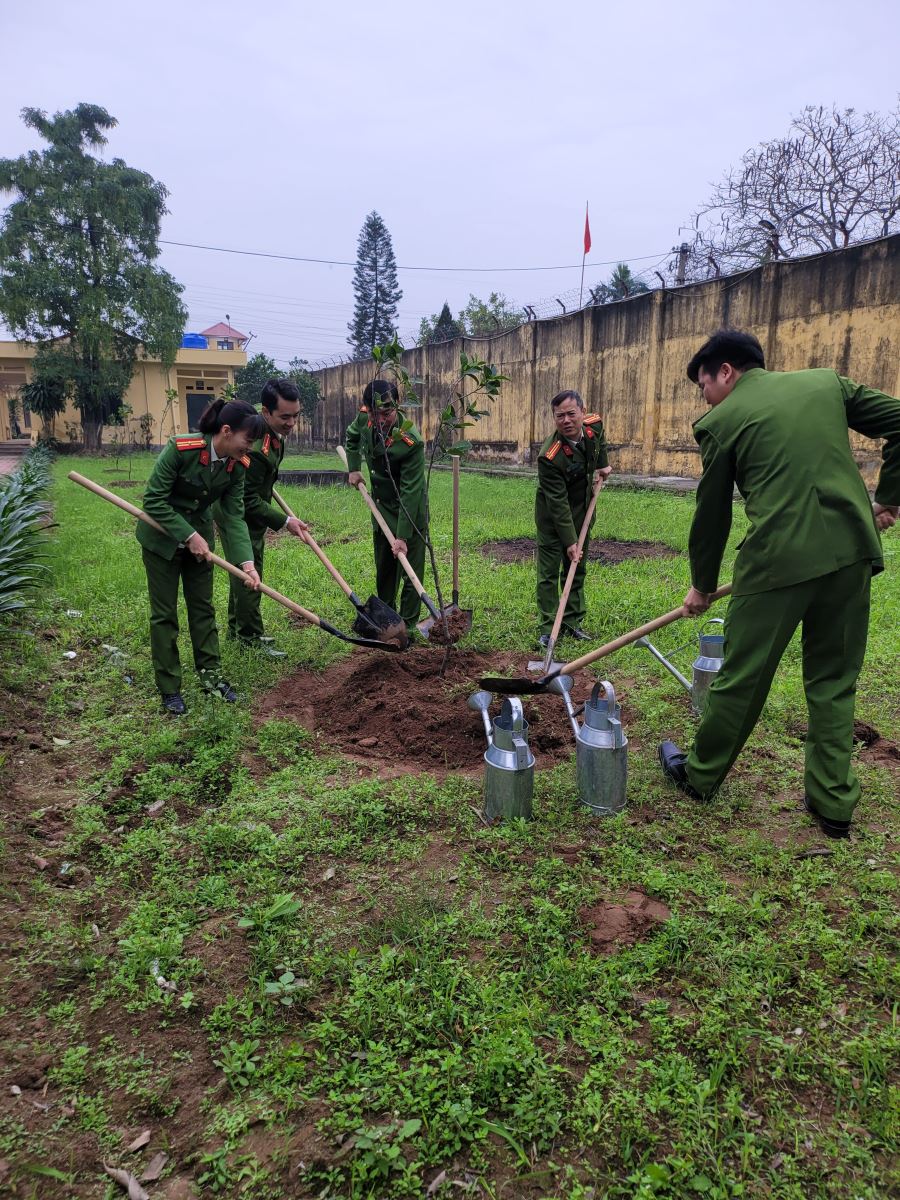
<point x="204" y="458"/>
<point x="567" y="449"/>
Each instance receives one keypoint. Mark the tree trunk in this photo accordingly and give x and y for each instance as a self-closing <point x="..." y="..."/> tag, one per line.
<point x="92" y="429"/>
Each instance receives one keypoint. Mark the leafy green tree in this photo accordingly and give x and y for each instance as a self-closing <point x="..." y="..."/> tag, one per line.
<point x="376" y="292"/>
<point x="250" y="380"/>
<point x="48" y="391"/>
<point x="621" y="284"/>
<point x="298" y="371"/>
<point x="481" y="317"/>
<point x="439" y="327"/>
<point x="78" y="273"/>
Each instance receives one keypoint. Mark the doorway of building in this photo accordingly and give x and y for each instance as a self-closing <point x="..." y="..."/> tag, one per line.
<point x="196" y="402"/>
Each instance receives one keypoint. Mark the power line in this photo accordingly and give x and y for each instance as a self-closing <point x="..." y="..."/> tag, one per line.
<point x="339" y="262"/>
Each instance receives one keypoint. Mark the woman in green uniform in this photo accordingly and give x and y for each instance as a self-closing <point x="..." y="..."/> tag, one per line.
<point x="193" y="472"/>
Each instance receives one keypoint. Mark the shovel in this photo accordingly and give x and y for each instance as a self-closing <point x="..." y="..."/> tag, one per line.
<point x="374" y="617"/>
<point x="570" y="576"/>
<point x="530" y="687"/>
<point x="386" y="530"/>
<point x="311" y="617"/>
<point x="461" y="617"/>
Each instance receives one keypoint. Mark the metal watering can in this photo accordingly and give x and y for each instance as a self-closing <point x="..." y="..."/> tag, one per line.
<point x="601" y="747"/>
<point x="705" y="668"/>
<point x="508" y="761"/>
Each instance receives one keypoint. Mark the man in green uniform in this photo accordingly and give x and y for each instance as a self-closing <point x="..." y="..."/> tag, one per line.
<point x="809" y="556"/>
<point x="280" y="409"/>
<point x="572" y="460"/>
<point x="396" y="462"/>
<point x="191" y="474"/>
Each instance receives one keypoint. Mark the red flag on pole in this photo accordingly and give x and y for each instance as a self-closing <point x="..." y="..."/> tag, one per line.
<point x="587" y="231"/>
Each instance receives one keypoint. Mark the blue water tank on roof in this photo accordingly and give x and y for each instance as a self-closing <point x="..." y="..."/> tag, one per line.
<point x="193" y="341"/>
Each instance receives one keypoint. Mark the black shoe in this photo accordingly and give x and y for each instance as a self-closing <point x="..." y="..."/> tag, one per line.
<point x="544" y="641"/>
<point x="174" y="705"/>
<point x="674" y="765"/>
<point x="226" y="691"/>
<point x="829" y="826"/>
<point x="580" y="635"/>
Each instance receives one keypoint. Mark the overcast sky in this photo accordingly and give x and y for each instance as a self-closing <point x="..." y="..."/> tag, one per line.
<point x="477" y="131"/>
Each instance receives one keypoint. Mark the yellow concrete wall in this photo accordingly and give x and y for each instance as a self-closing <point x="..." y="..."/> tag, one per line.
<point x="146" y="393"/>
<point x="628" y="359"/>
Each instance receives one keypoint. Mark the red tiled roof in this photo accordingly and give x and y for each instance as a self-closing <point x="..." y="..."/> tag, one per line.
<point x="221" y="330"/>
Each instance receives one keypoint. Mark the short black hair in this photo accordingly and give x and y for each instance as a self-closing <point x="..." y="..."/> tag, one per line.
<point x="569" y="394"/>
<point x="741" y="350"/>
<point x="236" y="414"/>
<point x="279" y="389"/>
<point x="383" y="389"/>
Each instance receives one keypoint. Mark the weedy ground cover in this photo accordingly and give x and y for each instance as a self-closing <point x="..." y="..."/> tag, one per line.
<point x="305" y="976"/>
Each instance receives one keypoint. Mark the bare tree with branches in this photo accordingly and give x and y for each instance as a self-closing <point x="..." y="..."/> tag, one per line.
<point x="834" y="179"/>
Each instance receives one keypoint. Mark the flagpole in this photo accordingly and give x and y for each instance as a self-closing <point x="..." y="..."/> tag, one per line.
<point x="587" y="246"/>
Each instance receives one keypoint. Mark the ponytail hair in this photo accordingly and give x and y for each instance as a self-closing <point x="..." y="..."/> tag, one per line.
<point x="236" y="414"/>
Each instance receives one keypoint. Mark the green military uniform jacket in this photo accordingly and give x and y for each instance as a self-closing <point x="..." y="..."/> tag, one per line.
<point x="566" y="480"/>
<point x="182" y="488"/>
<point x="401" y="457"/>
<point x="781" y="438"/>
<point x="260" y="513"/>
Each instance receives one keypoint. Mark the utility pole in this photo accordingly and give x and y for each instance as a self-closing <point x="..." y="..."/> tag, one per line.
<point x="681" y="270"/>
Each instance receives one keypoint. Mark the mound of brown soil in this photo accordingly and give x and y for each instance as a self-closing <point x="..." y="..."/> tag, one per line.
<point x="400" y="711"/>
<point x="875" y="747"/>
<point x="607" y="551"/>
<point x="611" y="925"/>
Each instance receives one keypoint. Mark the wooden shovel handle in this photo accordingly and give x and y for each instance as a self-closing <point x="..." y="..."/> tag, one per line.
<point x="316" y="548"/>
<point x="573" y="567"/>
<point x="385" y="528"/>
<point x="219" y="562"/>
<point x="455" y="461"/>
<point x="657" y="623"/>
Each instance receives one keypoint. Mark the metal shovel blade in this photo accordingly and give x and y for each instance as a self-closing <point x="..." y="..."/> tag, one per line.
<point x="538" y="664"/>
<point x="377" y="619"/>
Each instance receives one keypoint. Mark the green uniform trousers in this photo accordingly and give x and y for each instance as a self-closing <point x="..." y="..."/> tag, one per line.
<point x="834" y="612"/>
<point x="388" y="570"/>
<point x="552" y="568"/>
<point x="196" y="578"/>
<point x="244" y="616"/>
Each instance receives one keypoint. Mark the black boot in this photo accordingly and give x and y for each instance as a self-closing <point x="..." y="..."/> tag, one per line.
<point x="674" y="765"/>
<point x="227" y="692"/>
<point x="579" y="634"/>
<point x="174" y="705"/>
<point x="829" y="826"/>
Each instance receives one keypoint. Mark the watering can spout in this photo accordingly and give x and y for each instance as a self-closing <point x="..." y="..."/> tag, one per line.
<point x="481" y="702"/>
<point x="660" y="657"/>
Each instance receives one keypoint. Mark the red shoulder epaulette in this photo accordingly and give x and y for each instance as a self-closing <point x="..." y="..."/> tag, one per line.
<point x="553" y="451"/>
<point x="188" y="442"/>
<point x="592" y="418"/>
<point x="267" y="442"/>
<point x="245" y="460"/>
<point x="409" y="441"/>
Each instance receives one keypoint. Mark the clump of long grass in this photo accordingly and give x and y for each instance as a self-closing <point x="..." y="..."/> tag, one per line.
<point x="23" y="509"/>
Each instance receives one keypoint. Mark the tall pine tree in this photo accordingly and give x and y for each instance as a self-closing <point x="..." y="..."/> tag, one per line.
<point x="375" y="289"/>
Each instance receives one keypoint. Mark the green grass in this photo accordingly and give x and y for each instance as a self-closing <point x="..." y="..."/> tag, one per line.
<point x="432" y="1004"/>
